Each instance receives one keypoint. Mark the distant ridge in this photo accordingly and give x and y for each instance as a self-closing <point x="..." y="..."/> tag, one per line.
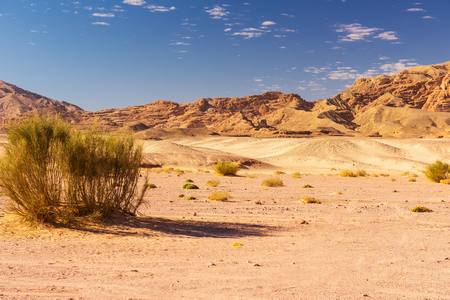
<point x="411" y="103"/>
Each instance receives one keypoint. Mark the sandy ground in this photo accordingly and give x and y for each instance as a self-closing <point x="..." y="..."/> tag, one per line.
<point x="362" y="242"/>
<point x="315" y="155"/>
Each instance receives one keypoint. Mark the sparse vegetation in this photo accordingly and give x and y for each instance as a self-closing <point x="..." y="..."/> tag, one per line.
<point x="272" y="182"/>
<point x="438" y="171"/>
<point x="296" y="175"/>
<point x="356" y="173"/>
<point x="151" y="186"/>
<point x="310" y="200"/>
<point x="190" y="186"/>
<point x="227" y="168"/>
<point x="219" y="196"/>
<point x="213" y="183"/>
<point x="53" y="173"/>
<point x="421" y="209"/>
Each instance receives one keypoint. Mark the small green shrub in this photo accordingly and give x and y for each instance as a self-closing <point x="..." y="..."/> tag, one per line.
<point x="272" y="182"/>
<point x="421" y="209"/>
<point x="437" y="171"/>
<point x="226" y="168"/>
<point x="219" y="196"/>
<point x="190" y="186"/>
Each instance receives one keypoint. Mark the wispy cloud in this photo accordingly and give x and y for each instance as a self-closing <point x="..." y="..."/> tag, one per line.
<point x="356" y="32"/>
<point x="134" y="2"/>
<point x="104" y="15"/>
<point x="217" y="12"/>
<point x="160" y="8"/>
<point x="101" y="23"/>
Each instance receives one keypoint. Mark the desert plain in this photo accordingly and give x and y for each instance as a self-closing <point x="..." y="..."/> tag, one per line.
<point x="361" y="242"/>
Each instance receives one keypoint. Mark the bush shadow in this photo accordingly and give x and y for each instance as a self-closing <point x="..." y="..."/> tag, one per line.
<point x="148" y="226"/>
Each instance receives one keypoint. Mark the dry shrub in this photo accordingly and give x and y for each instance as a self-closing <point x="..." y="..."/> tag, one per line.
<point x="219" y="196"/>
<point x="53" y="173"/>
<point x="310" y="200"/>
<point x="273" y="182"/>
<point x="213" y="183"/>
<point x="438" y="171"/>
<point x="227" y="168"/>
<point x="350" y="173"/>
<point x="296" y="175"/>
<point x="421" y="209"/>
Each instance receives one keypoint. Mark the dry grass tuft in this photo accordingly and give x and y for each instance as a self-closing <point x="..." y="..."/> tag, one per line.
<point x="213" y="183"/>
<point x="421" y="209"/>
<point x="272" y="182"/>
<point x="350" y="173"/>
<point x="310" y="200"/>
<point x="296" y="175"/>
<point x="227" y="168"/>
<point x="219" y="196"/>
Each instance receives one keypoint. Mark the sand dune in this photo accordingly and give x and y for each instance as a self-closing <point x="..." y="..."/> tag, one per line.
<point x="311" y="154"/>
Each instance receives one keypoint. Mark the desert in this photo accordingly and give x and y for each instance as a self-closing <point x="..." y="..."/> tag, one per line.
<point x="231" y="149"/>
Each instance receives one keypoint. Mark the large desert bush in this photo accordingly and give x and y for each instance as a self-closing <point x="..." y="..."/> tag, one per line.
<point x="438" y="171"/>
<point x="226" y="168"/>
<point x="52" y="172"/>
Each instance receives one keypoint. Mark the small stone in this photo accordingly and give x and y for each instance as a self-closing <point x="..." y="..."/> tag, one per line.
<point x="256" y="265"/>
<point x="195" y="214"/>
<point x="211" y="265"/>
<point x="365" y="295"/>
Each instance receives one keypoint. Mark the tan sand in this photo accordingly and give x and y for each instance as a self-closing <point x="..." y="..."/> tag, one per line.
<point x="362" y="240"/>
<point x="316" y="155"/>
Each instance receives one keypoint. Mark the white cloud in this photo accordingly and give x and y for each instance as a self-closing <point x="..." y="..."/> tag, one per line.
<point x="415" y="9"/>
<point x="217" y="12"/>
<point x="104" y="15"/>
<point x="398" y="66"/>
<point x="250" y="33"/>
<point x="101" y="23"/>
<point x="428" y="17"/>
<point x="268" y="23"/>
<point x="343" y="73"/>
<point x="316" y="70"/>
<point x="356" y="32"/>
<point x="134" y="2"/>
<point x="160" y="8"/>
<point x="388" y="36"/>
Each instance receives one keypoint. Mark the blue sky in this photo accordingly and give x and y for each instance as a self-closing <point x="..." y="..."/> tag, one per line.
<point x="114" y="53"/>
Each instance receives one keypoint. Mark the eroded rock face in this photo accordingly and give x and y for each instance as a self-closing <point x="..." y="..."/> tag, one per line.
<point x="424" y="87"/>
<point x="15" y="103"/>
<point x="412" y="103"/>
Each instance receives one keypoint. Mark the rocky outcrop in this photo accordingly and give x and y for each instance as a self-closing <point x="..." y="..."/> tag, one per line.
<point x="424" y="87"/>
<point x="414" y="102"/>
<point x="15" y="103"/>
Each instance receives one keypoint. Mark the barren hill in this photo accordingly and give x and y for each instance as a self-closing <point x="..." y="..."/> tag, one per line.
<point x="16" y="102"/>
<point x="412" y="103"/>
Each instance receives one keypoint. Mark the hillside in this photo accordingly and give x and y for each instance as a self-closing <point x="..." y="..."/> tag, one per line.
<point x="412" y="103"/>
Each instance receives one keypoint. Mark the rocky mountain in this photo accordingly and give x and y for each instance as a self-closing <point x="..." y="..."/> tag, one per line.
<point x="423" y="87"/>
<point x="412" y="103"/>
<point x="15" y="103"/>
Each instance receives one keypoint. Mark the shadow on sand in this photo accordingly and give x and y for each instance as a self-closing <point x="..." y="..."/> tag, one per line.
<point x="147" y="226"/>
